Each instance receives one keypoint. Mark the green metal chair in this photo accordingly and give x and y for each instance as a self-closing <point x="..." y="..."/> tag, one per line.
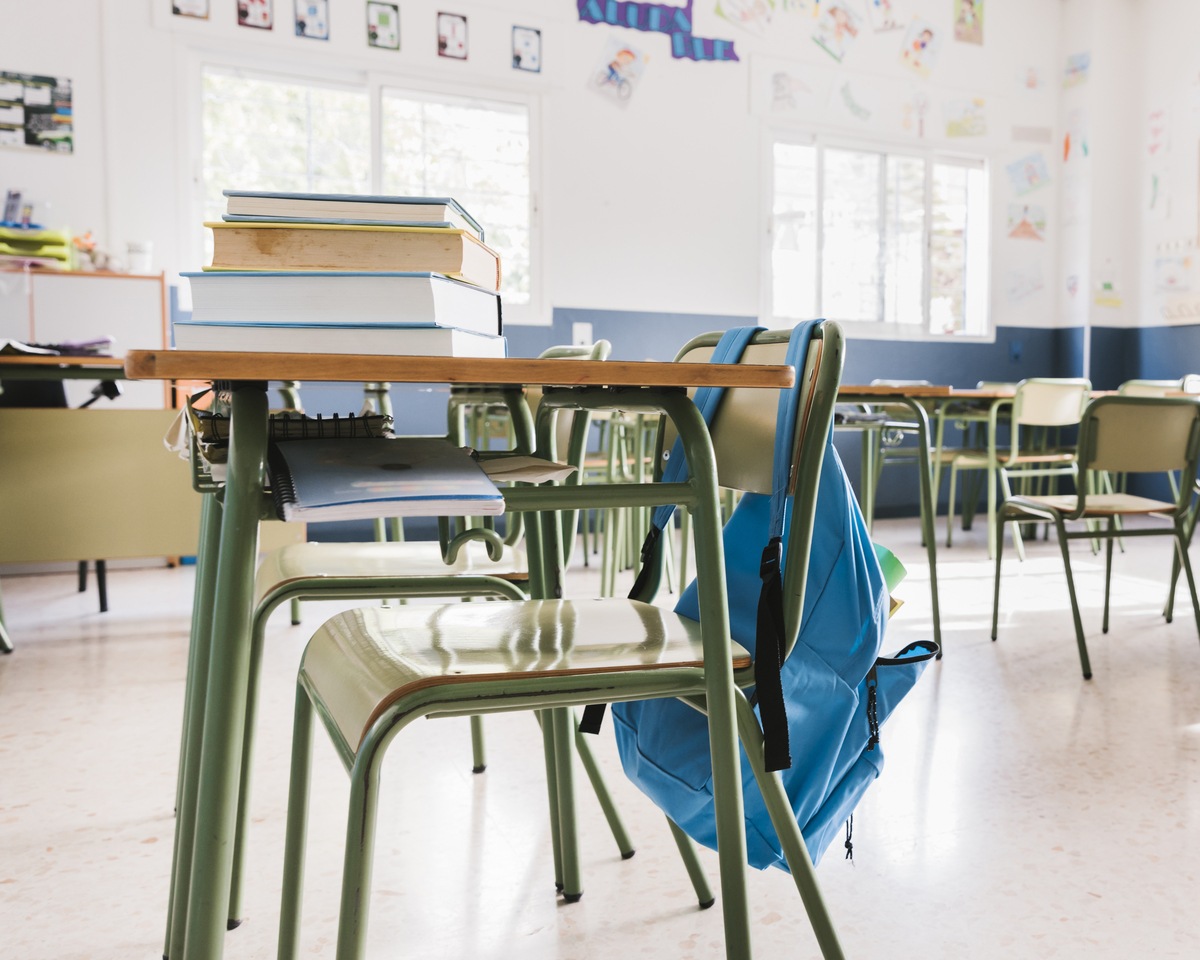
<point x="1120" y="434"/>
<point x="1037" y="404"/>
<point x="367" y="674"/>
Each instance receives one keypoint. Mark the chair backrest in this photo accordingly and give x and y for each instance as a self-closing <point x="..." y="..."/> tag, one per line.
<point x="1125" y="434"/>
<point x="1190" y="383"/>
<point x="743" y="434"/>
<point x="1149" y="388"/>
<point x="879" y="382"/>
<point x="1050" y="402"/>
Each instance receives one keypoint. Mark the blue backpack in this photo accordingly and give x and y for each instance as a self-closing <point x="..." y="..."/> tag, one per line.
<point x="825" y="702"/>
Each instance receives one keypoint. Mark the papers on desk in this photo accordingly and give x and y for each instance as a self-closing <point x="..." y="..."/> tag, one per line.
<point x="525" y="469"/>
<point x="15" y="348"/>
<point x="316" y="480"/>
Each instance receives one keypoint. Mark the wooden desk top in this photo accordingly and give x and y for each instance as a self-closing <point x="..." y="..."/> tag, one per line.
<point x="18" y="360"/>
<point x="202" y="365"/>
<point x="916" y="391"/>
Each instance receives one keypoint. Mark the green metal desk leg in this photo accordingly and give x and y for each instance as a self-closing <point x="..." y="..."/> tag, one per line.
<point x="220" y="755"/>
<point x="927" y="512"/>
<point x="5" y="642"/>
<point x="193" y="723"/>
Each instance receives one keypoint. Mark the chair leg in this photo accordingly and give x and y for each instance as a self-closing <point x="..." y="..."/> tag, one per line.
<point x="600" y="788"/>
<point x="478" y="751"/>
<point x="1181" y="551"/>
<point x="687" y="852"/>
<point x="297" y="827"/>
<point x="360" y="852"/>
<point x="996" y="590"/>
<point x="1107" y="573"/>
<point x="1084" y="662"/>
<point x="950" y="504"/>
<point x="783" y="818"/>
<point x="551" y="762"/>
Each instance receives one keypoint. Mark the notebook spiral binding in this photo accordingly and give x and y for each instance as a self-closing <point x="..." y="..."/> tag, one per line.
<point x="214" y="428"/>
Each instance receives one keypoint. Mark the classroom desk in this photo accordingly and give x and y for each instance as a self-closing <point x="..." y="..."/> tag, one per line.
<point x="220" y="648"/>
<point x="914" y="398"/>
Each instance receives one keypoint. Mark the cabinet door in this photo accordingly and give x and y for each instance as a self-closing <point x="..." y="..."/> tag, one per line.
<point x="82" y="306"/>
<point x="14" y="305"/>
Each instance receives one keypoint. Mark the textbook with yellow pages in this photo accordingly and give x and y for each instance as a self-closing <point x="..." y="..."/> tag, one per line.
<point x="281" y="245"/>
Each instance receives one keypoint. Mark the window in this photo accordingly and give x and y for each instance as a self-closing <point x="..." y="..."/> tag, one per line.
<point x="262" y="132"/>
<point x="898" y="241"/>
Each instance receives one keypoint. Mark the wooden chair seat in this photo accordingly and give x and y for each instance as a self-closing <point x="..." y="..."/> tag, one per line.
<point x="363" y="661"/>
<point x="978" y="459"/>
<point x="413" y="558"/>
<point x="1098" y="505"/>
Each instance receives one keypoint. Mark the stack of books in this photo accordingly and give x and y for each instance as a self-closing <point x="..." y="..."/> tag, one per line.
<point x="335" y="273"/>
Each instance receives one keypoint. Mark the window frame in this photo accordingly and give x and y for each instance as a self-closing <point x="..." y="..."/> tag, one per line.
<point x="823" y="140"/>
<point x="373" y="82"/>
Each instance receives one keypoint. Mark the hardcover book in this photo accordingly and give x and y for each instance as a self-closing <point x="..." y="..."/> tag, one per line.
<point x="257" y="204"/>
<point x="273" y="245"/>
<point x="354" y="297"/>
<point x="316" y="480"/>
<point x="376" y="339"/>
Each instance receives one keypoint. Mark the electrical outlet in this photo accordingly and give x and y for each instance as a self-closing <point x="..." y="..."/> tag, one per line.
<point x="1014" y="351"/>
<point x="581" y="334"/>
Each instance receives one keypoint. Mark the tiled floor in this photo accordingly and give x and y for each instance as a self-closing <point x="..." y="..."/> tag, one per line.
<point x="1023" y="813"/>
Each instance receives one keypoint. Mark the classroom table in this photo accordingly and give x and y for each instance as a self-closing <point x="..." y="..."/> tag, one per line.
<point x="914" y="397"/>
<point x="220" y="646"/>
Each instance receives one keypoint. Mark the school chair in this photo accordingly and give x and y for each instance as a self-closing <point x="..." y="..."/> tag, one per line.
<point x="366" y="674"/>
<point x="1119" y="434"/>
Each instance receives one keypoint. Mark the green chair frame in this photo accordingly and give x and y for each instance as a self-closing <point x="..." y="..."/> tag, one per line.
<point x="1120" y="434"/>
<point x="530" y="662"/>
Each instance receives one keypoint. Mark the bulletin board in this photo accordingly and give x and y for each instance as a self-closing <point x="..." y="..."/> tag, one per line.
<point x="35" y="112"/>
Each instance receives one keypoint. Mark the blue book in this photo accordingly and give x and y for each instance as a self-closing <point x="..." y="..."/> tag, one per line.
<point x="318" y="480"/>
<point x="365" y="208"/>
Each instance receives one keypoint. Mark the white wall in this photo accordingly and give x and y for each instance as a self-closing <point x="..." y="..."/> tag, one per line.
<point x="658" y="205"/>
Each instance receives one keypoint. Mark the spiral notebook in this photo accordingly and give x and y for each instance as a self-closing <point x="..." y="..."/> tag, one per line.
<point x="318" y="480"/>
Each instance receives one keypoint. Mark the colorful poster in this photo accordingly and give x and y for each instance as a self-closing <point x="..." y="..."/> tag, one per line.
<point x="674" y="21"/>
<point x="1172" y="274"/>
<point x="190" y="8"/>
<point x="913" y="112"/>
<point x="968" y="21"/>
<point x="383" y="25"/>
<point x="1157" y="200"/>
<point x="452" y="36"/>
<point x="256" y="13"/>
<point x="1076" y="71"/>
<point x="1075" y="139"/>
<point x="1031" y="78"/>
<point x="312" y="19"/>
<point x="837" y="28"/>
<point x="920" y="49"/>
<point x="752" y="15"/>
<point x="619" y="71"/>
<point x="965" y="118"/>
<point x="885" y="15"/>
<point x="1026" y="221"/>
<point x="36" y="112"/>
<point x="527" y="49"/>
<point x="1028" y="173"/>
<point x="1157" y="141"/>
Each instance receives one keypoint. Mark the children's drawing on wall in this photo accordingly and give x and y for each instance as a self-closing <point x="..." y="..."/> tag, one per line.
<point x="752" y="15"/>
<point x="965" y="118"/>
<point x="1076" y="70"/>
<point x="854" y="100"/>
<point x="920" y="49"/>
<point x="452" y="35"/>
<point x="885" y="15"/>
<point x="1106" y="290"/>
<point x="1031" y="78"/>
<point x="190" y="8"/>
<point x="1158" y="142"/>
<point x="1173" y="274"/>
<point x="527" y="49"/>
<point x="968" y="21"/>
<point x="256" y="13"/>
<point x="1026" y="221"/>
<point x="787" y="90"/>
<point x="312" y="19"/>
<point x="619" y="71"/>
<point x="1075" y="138"/>
<point x="782" y="87"/>
<point x="1028" y="173"/>
<point x="837" y="28"/>
<point x="912" y="114"/>
<point x="1157" y="201"/>
<point x="1023" y="281"/>
<point x="383" y="25"/>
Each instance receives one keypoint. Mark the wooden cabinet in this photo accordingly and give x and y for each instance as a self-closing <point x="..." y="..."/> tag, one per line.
<point x="50" y="306"/>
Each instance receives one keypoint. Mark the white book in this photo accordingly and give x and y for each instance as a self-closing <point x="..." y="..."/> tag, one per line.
<point x="363" y="208"/>
<point x="376" y="339"/>
<point x="253" y="296"/>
